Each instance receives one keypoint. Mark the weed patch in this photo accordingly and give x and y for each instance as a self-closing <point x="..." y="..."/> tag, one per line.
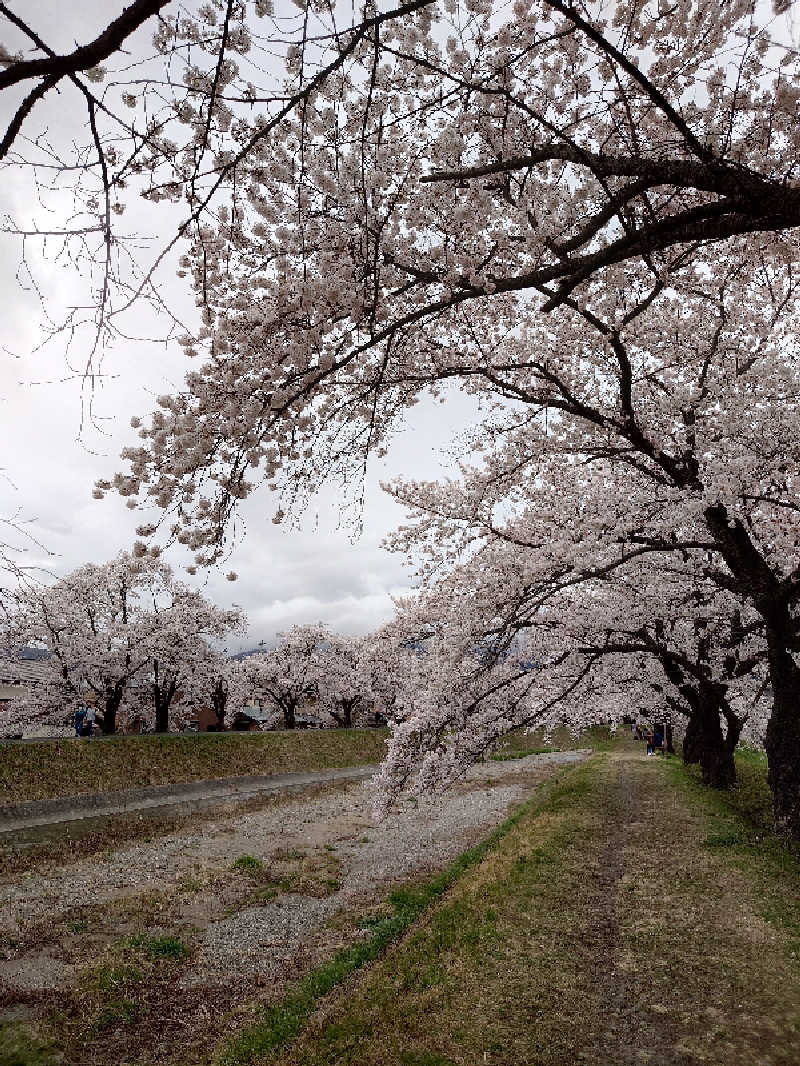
<point x="160" y="947"/>
<point x="248" y="864"/>
<point x="20" y="1047"/>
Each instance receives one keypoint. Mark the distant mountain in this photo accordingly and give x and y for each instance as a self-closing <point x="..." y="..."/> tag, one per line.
<point x="264" y="646"/>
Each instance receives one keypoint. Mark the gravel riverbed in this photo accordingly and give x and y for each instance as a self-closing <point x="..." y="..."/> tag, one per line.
<point x="318" y="855"/>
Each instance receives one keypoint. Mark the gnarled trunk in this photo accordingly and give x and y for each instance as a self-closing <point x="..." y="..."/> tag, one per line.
<point x="669" y="739"/>
<point x="692" y="741"/>
<point x="219" y="702"/>
<point x="108" y="723"/>
<point x="783" y="738"/>
<point x="705" y="742"/>
<point x="771" y="596"/>
<point x="344" y="716"/>
<point x="719" y="766"/>
<point x="163" y="694"/>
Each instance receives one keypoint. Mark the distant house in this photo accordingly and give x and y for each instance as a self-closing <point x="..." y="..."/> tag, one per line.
<point x="19" y="677"/>
<point x="251" y="719"/>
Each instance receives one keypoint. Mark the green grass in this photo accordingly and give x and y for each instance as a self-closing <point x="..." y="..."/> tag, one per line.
<point x="520" y="754"/>
<point x="741" y="829"/>
<point x="20" y="1047"/>
<point x="109" y="978"/>
<point x="116" y="994"/>
<point x="247" y="864"/>
<point x="160" y="947"/>
<point x="72" y="767"/>
<point x="749" y="802"/>
<point x="114" y="1013"/>
<point x="518" y="743"/>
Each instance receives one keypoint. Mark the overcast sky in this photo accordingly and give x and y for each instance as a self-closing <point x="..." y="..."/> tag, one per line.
<point x="54" y="450"/>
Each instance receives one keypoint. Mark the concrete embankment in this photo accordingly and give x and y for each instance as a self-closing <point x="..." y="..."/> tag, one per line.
<point x="192" y="794"/>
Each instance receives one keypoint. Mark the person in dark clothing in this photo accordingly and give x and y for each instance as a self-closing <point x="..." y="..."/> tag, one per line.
<point x="79" y="720"/>
<point x="658" y="739"/>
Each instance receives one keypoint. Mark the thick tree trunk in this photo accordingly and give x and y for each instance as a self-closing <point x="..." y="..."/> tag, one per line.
<point x="669" y="739"/>
<point x="163" y="694"/>
<point x="771" y="595"/>
<point x="289" y="716"/>
<point x="719" y="770"/>
<point x="162" y="699"/>
<point x="108" y="723"/>
<point x="344" y="717"/>
<point x="705" y="742"/>
<point x="692" y="741"/>
<point x="162" y="715"/>
<point x="219" y="701"/>
<point x="783" y="738"/>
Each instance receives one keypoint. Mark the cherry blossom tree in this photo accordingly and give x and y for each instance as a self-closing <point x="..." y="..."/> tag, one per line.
<point x="288" y="674"/>
<point x="636" y="454"/>
<point x="438" y="147"/>
<point x="343" y="685"/>
<point x="222" y="683"/>
<point x="89" y="622"/>
<point x="123" y="634"/>
<point x="184" y="627"/>
<point x="390" y="663"/>
<point x="454" y="167"/>
<point x="506" y="649"/>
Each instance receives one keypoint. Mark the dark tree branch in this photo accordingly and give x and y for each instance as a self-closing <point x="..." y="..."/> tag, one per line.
<point x="86" y="56"/>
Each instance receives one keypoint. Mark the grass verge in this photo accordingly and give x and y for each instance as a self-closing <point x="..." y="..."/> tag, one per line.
<point x="740" y="832"/>
<point x="519" y="743"/>
<point x="54" y="768"/>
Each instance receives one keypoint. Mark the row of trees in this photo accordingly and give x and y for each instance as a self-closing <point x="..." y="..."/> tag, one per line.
<point x="595" y="234"/>
<point x="148" y="651"/>
<point x="125" y="635"/>
<point x="347" y="679"/>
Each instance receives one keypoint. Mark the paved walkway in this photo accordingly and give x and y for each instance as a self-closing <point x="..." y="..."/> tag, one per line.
<point x="188" y="795"/>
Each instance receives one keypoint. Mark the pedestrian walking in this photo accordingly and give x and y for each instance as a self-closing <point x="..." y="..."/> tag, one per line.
<point x="90" y="717"/>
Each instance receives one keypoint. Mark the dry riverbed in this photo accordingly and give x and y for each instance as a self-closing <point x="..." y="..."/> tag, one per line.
<point x="151" y="952"/>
